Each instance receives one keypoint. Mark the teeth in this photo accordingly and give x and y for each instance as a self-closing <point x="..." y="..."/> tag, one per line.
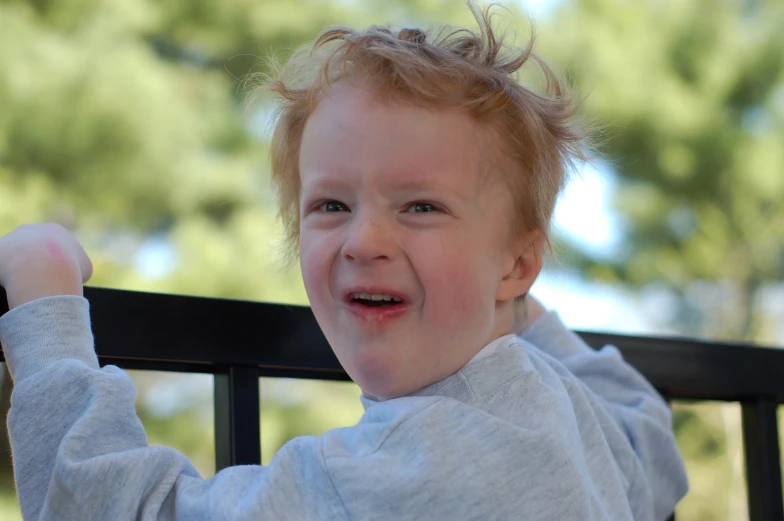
<point x="375" y="296"/>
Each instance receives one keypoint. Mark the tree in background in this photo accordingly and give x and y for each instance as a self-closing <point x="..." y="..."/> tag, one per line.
<point x="691" y="95"/>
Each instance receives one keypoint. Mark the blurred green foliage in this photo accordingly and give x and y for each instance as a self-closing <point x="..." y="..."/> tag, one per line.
<point x="124" y="120"/>
<point x="690" y="98"/>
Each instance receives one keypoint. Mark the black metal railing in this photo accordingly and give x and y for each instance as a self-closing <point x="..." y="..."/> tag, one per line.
<point x="240" y="341"/>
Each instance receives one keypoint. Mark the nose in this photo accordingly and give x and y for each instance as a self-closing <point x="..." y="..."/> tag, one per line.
<point x="368" y="239"/>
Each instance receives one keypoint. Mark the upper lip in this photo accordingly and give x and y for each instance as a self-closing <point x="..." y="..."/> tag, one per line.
<point x="373" y="290"/>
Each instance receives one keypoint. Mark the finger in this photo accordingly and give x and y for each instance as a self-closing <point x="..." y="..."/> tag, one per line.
<point x="86" y="264"/>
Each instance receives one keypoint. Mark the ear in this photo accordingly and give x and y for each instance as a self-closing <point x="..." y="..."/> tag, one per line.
<point x="527" y="263"/>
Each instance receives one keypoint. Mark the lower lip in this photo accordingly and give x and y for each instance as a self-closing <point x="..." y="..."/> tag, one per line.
<point x="377" y="315"/>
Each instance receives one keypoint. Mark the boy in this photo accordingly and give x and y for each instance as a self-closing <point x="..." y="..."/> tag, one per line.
<point x="417" y="179"/>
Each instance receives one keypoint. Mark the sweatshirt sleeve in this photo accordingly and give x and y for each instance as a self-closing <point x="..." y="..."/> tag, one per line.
<point x="631" y="400"/>
<point x="80" y="451"/>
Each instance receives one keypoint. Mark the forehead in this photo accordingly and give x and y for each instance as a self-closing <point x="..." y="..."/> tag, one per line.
<point x="355" y="135"/>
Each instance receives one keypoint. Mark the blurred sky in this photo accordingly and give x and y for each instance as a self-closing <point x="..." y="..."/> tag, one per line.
<point x="540" y="8"/>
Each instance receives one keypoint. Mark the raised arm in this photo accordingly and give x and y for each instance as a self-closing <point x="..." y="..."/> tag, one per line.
<point x="80" y="452"/>
<point x="632" y="401"/>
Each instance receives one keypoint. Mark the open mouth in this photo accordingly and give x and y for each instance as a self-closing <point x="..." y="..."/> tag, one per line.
<point x="375" y="300"/>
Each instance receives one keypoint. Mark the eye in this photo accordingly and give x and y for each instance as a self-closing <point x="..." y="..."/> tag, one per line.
<point x="423" y="208"/>
<point x="332" y="207"/>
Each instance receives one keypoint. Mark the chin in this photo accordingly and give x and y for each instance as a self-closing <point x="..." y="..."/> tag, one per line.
<point x="381" y="385"/>
<point x="377" y="386"/>
<point x="381" y="370"/>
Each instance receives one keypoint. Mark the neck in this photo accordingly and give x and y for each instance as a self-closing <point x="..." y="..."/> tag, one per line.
<point x="506" y="322"/>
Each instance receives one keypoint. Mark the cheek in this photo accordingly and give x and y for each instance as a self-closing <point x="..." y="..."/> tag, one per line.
<point x="316" y="258"/>
<point x="456" y="288"/>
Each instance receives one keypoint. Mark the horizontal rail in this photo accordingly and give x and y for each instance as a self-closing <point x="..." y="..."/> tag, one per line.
<point x="239" y="341"/>
<point x="139" y="330"/>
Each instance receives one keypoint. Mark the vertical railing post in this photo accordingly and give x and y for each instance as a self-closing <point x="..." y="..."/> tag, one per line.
<point x="237" y="430"/>
<point x="763" y="468"/>
<point x="665" y="393"/>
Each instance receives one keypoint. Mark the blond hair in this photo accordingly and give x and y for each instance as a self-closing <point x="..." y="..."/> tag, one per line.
<point x="446" y="68"/>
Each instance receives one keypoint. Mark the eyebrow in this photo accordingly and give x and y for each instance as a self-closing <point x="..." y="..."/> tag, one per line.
<point x="411" y="185"/>
<point x="326" y="183"/>
<point x="420" y="185"/>
<point x="330" y="183"/>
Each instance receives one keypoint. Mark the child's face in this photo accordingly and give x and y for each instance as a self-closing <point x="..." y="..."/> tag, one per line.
<point x="399" y="202"/>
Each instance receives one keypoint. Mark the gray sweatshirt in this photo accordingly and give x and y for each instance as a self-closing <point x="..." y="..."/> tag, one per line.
<point x="535" y="427"/>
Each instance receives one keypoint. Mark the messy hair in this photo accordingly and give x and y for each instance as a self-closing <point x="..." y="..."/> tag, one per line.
<point x="443" y="68"/>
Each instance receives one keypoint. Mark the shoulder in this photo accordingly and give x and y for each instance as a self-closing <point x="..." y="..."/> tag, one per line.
<point x="380" y="425"/>
<point x="440" y="455"/>
<point x="443" y="428"/>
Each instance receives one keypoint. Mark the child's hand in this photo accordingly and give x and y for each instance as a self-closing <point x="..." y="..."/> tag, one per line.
<point x="42" y="260"/>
